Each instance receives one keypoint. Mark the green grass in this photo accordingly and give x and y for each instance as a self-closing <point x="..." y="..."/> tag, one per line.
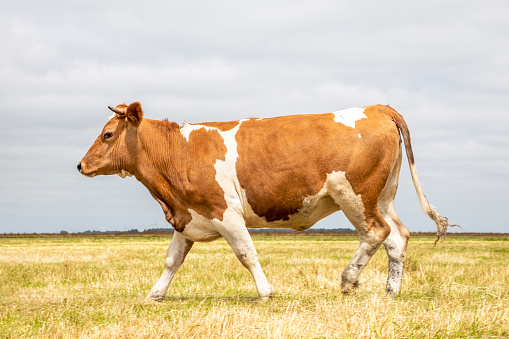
<point x="94" y="287"/>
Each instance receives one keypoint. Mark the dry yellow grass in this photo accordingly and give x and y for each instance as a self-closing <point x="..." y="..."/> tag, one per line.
<point x="93" y="287"/>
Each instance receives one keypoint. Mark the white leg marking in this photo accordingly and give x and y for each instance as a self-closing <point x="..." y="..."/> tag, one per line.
<point x="236" y="234"/>
<point x="177" y="251"/>
<point x="366" y="250"/>
<point x="395" y="246"/>
<point x="352" y="205"/>
<point x="233" y="227"/>
<point x="396" y="243"/>
<point x="395" y="249"/>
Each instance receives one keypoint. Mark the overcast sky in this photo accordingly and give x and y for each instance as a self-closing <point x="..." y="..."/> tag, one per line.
<point x="444" y="65"/>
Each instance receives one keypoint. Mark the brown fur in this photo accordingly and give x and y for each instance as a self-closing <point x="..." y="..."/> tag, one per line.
<point x="282" y="160"/>
<point x="282" y="165"/>
<point x="134" y="114"/>
<point x="181" y="174"/>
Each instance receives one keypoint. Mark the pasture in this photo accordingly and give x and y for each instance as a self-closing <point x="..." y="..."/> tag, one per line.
<point x="94" y="287"/>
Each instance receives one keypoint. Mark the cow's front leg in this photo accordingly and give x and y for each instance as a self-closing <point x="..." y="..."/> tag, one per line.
<point x="177" y="251"/>
<point x="240" y="241"/>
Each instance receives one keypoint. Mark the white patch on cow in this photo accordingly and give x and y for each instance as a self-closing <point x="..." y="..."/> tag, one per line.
<point x="232" y="227"/>
<point x="188" y="128"/>
<point x="226" y="174"/>
<point x="200" y="229"/>
<point x="351" y="204"/>
<point x="359" y="135"/>
<point x="124" y="174"/>
<point x="226" y="177"/>
<point x="226" y="171"/>
<point x="348" y="117"/>
<point x="394" y="239"/>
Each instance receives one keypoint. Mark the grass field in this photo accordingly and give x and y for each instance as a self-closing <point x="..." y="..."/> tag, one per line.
<point x="94" y="287"/>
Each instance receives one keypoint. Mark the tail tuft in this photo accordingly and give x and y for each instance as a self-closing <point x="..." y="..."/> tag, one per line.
<point x="442" y="224"/>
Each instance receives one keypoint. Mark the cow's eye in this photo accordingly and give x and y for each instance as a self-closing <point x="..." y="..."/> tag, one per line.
<point x="107" y="135"/>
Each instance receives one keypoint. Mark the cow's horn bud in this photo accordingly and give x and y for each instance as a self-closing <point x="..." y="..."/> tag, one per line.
<point x="120" y="111"/>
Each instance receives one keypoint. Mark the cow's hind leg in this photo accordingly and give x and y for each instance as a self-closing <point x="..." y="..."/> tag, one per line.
<point x="177" y="251"/>
<point x="396" y="243"/>
<point x="372" y="232"/>
<point x="368" y="221"/>
<point x="236" y="234"/>
<point x="395" y="246"/>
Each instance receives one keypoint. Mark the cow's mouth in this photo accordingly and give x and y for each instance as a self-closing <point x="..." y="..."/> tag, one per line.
<point x="82" y="171"/>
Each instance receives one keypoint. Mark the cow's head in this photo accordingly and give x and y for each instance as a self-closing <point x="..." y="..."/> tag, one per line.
<point x="114" y="150"/>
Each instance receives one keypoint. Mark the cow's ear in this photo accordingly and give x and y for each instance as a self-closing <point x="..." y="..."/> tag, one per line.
<point x="134" y="114"/>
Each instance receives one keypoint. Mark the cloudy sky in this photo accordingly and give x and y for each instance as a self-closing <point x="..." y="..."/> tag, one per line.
<point x="444" y="65"/>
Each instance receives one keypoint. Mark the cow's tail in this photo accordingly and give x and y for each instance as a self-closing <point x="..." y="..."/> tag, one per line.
<point x="442" y="222"/>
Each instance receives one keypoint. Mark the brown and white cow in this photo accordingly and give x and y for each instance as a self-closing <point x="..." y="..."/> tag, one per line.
<point x="217" y="179"/>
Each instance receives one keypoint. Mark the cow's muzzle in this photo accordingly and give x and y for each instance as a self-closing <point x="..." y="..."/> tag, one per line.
<point x="83" y="169"/>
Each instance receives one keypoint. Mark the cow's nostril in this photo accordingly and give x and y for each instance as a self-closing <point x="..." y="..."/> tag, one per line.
<point x="79" y="167"/>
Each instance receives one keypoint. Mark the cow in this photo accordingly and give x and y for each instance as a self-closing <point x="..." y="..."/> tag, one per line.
<point x="217" y="179"/>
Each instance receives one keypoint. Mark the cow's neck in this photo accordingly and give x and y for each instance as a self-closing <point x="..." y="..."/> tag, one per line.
<point x="161" y="165"/>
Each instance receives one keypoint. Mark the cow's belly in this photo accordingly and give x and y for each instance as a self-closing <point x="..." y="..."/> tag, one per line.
<point x="306" y="217"/>
<point x="201" y="229"/>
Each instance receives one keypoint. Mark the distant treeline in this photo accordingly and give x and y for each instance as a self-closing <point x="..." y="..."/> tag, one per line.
<point x="263" y="231"/>
<point x="311" y="230"/>
<point x="258" y="230"/>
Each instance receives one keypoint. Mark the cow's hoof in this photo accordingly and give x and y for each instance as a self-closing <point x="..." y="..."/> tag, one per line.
<point x="267" y="298"/>
<point x="349" y="288"/>
<point x="391" y="292"/>
<point x="347" y="291"/>
<point x="154" y="298"/>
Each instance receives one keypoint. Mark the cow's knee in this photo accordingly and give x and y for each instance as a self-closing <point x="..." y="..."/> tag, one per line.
<point x="170" y="262"/>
